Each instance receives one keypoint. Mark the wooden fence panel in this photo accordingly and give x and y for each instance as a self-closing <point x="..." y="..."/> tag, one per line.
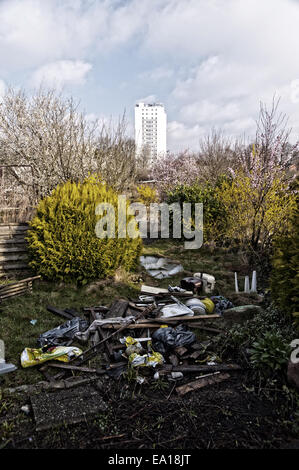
<point x="13" y="248"/>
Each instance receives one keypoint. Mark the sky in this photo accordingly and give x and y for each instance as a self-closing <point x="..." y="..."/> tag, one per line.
<point x="211" y="62"/>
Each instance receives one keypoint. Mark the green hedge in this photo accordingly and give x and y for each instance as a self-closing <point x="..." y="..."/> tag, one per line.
<point x="62" y="241"/>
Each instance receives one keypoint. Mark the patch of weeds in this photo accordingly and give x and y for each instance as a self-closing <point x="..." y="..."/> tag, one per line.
<point x="270" y="352"/>
<point x="130" y="374"/>
<point x="271" y="324"/>
<point x="105" y="423"/>
<point x="159" y="384"/>
<point x="4" y="407"/>
<point x="6" y="430"/>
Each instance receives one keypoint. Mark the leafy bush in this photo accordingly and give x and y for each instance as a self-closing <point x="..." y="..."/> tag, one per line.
<point x="214" y="214"/>
<point x="256" y="211"/>
<point x="147" y="195"/>
<point x="62" y="241"/>
<point x="270" y="353"/>
<point x="241" y="338"/>
<point x="284" y="276"/>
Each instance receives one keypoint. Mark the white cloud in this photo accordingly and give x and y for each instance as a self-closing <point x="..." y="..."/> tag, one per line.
<point x="181" y="137"/>
<point x="249" y="30"/>
<point x="295" y="91"/>
<point x="147" y="99"/>
<point x="156" y="74"/>
<point x="2" y="88"/>
<point x="236" y="53"/>
<point x="60" y="73"/>
<point x="33" y="32"/>
<point x="210" y="62"/>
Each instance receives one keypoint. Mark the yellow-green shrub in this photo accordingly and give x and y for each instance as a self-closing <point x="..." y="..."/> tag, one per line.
<point x="285" y="261"/>
<point x="256" y="214"/>
<point x="62" y="240"/>
<point x="147" y="195"/>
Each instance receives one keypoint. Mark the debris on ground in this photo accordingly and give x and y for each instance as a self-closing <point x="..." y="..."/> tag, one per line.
<point x="61" y="335"/>
<point x="145" y="339"/>
<point x="5" y="367"/>
<point x="203" y="381"/>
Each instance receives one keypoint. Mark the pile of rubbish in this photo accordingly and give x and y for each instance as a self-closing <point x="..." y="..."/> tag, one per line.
<point x="153" y="336"/>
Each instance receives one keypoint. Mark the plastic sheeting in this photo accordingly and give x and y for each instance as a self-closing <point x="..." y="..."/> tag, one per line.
<point x="160" y="268"/>
<point x="176" y="310"/>
<point x="63" y="333"/>
<point x="94" y="326"/>
<point x="170" y="338"/>
<point x="221" y="304"/>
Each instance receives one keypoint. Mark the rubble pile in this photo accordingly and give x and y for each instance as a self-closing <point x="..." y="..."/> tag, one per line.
<point x="153" y="336"/>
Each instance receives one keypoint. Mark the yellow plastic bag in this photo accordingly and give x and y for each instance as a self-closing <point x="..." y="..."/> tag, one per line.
<point x="132" y="345"/>
<point x="209" y="304"/>
<point x="32" y="357"/>
<point x="147" y="360"/>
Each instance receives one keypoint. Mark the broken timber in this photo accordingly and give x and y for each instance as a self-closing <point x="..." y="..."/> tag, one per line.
<point x="91" y="352"/>
<point x="167" y="368"/>
<point x="203" y="381"/>
<point x="154" y="322"/>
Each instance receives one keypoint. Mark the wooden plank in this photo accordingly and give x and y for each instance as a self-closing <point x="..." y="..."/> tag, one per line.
<point x="11" y="241"/>
<point x="103" y="336"/>
<point x="10" y="234"/>
<point x="118" y="308"/>
<point x="15" y="224"/>
<point x="135" y="326"/>
<point x="91" y="352"/>
<point x="153" y="290"/>
<point x="199" y="368"/>
<point x="22" y="281"/>
<point x="6" y="296"/>
<point x="59" y="312"/>
<point x="13" y="266"/>
<point x="13" y="249"/>
<point x="155" y="322"/>
<point x="188" y="318"/>
<point x="211" y="379"/>
<point x="7" y="257"/>
<point x="8" y="287"/>
<point x="56" y="365"/>
<point x="13" y="289"/>
<point x="20" y="291"/>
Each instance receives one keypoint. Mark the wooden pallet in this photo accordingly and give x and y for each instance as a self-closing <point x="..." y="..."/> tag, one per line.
<point x="17" y="288"/>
